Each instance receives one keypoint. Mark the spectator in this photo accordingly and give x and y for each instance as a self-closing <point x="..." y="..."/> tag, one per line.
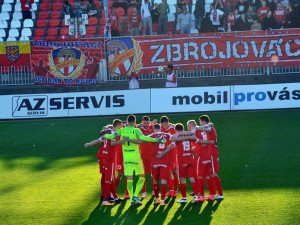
<point x="68" y="10"/>
<point x="133" y="80"/>
<point x="180" y="5"/>
<point x="279" y="15"/>
<point x="206" y="25"/>
<point x="134" y="3"/>
<point x="242" y="7"/>
<point x="262" y="11"/>
<point x="219" y="5"/>
<point x="291" y="19"/>
<point x="272" y="5"/>
<point x="163" y="10"/>
<point x="215" y="16"/>
<point x="268" y="22"/>
<point x="26" y="8"/>
<point x="250" y="15"/>
<point x="135" y="23"/>
<point x="230" y="21"/>
<point x="199" y="13"/>
<point x="170" y="79"/>
<point x="91" y="8"/>
<point x="113" y="22"/>
<point x="121" y="3"/>
<point x="146" y="17"/>
<point x="155" y="13"/>
<point x="184" y="21"/>
<point x="236" y="14"/>
<point x="241" y="23"/>
<point x="81" y="8"/>
<point x="256" y="25"/>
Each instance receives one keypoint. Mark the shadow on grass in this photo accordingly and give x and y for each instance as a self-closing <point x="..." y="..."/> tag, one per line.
<point x="185" y="214"/>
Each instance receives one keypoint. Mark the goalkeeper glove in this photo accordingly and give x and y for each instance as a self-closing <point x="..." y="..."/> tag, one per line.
<point x="161" y="140"/>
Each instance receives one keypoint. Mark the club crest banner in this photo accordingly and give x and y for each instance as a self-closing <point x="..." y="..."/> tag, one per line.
<point x="66" y="63"/>
<point x="204" y="51"/>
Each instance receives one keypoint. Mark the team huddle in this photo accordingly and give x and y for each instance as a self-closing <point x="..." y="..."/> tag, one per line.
<point x="165" y="151"/>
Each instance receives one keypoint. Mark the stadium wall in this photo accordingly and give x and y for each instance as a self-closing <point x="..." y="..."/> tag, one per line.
<point x="155" y="100"/>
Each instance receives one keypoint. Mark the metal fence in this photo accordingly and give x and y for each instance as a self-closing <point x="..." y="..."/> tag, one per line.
<point x="22" y="75"/>
<point x="226" y="72"/>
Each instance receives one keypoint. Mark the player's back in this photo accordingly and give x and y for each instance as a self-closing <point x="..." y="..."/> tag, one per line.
<point x="131" y="151"/>
<point x="202" y="150"/>
<point x="160" y="147"/>
<point x="185" y="152"/>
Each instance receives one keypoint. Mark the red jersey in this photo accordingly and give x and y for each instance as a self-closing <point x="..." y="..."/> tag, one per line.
<point x="264" y="11"/>
<point x="171" y="130"/>
<point x="279" y="15"/>
<point x="134" y="20"/>
<point x="147" y="147"/>
<point x="158" y="148"/>
<point x="108" y="151"/>
<point x="202" y="150"/>
<point x="113" y="20"/>
<point x="213" y="147"/>
<point x="99" y="154"/>
<point x="185" y="155"/>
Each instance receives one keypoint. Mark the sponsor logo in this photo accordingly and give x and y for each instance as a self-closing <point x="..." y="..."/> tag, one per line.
<point x="125" y="56"/>
<point x="29" y="106"/>
<point x="207" y="98"/>
<point x="66" y="62"/>
<point x="12" y="53"/>
<point x="281" y="95"/>
<point x="38" y="105"/>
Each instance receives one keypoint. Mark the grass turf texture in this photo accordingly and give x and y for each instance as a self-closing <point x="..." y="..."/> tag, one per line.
<point x="47" y="177"/>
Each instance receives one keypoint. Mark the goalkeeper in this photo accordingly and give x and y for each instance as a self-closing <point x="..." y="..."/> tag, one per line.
<point x="132" y="157"/>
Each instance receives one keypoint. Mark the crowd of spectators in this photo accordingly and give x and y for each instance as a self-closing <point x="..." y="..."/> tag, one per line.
<point x="243" y="15"/>
<point x="223" y="15"/>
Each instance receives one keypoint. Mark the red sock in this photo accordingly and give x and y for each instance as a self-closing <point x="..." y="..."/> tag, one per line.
<point x="163" y="191"/>
<point x="156" y="190"/>
<point x="175" y="185"/>
<point x="195" y="188"/>
<point x="201" y="183"/>
<point x="217" y="181"/>
<point x="183" y="190"/>
<point x="144" y="187"/>
<point x="113" y="190"/>
<point x="102" y="183"/>
<point x="117" y="181"/>
<point x="171" y="184"/>
<point x="106" y="191"/>
<point x="126" y="191"/>
<point x="209" y="186"/>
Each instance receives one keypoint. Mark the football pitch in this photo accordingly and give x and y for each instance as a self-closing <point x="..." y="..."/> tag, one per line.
<point x="48" y="177"/>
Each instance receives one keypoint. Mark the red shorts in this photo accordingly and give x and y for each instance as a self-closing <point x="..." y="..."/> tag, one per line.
<point x="203" y="168"/>
<point x="173" y="162"/>
<point x="187" y="170"/>
<point x="215" y="163"/>
<point x="119" y="161"/>
<point x="160" y="172"/>
<point x="147" y="164"/>
<point x="109" y="168"/>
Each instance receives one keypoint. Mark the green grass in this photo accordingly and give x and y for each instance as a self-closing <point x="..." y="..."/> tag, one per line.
<point x="47" y="177"/>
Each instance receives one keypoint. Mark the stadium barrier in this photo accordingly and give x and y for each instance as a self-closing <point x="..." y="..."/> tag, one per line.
<point x="145" y="101"/>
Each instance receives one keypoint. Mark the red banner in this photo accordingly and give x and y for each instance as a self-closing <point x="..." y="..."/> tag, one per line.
<point x="66" y="63"/>
<point x="205" y="51"/>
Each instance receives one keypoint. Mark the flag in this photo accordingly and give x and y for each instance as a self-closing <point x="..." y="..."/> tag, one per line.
<point x="15" y="53"/>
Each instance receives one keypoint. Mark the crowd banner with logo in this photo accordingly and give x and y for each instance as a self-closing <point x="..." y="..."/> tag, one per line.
<point x="15" y="53"/>
<point x="204" y="51"/>
<point x="66" y="63"/>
